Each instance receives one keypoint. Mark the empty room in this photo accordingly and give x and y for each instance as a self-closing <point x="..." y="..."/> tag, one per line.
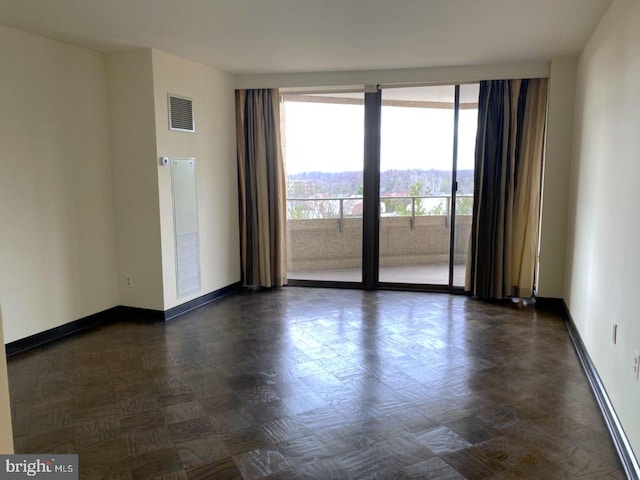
<point x="319" y="239"/>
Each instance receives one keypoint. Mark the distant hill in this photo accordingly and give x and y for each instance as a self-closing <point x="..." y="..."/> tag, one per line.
<point x="397" y="182"/>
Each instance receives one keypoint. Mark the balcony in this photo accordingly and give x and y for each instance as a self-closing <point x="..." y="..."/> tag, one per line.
<point x="414" y="246"/>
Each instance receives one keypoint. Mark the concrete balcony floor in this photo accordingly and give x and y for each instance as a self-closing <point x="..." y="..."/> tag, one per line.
<point x="432" y="274"/>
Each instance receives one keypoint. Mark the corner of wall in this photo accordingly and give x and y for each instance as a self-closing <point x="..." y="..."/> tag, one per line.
<point x="139" y="81"/>
<point x="133" y="142"/>
<point x="213" y="147"/>
<point x="562" y="81"/>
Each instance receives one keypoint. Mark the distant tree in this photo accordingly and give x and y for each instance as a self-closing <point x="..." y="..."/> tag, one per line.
<point x="417" y="190"/>
<point x="402" y="207"/>
<point x="329" y="209"/>
<point x="297" y="211"/>
<point x="436" y="210"/>
<point x="464" y="205"/>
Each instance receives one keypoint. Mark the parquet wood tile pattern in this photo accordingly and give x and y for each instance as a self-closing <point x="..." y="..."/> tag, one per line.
<point x="301" y="383"/>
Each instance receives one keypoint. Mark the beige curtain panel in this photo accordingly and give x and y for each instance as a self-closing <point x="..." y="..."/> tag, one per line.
<point x="261" y="184"/>
<point x="506" y="213"/>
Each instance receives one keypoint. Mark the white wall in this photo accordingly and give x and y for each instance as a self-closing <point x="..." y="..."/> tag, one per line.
<point x="562" y="85"/>
<point x="603" y="249"/>
<point x="83" y="201"/>
<point x="213" y="147"/>
<point x="58" y="252"/>
<point x="133" y="147"/>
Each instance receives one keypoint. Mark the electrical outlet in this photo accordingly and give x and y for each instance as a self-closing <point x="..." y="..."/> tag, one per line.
<point x="128" y="281"/>
<point x="636" y="364"/>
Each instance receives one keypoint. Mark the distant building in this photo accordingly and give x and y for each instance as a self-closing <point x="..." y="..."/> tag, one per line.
<point x="300" y="188"/>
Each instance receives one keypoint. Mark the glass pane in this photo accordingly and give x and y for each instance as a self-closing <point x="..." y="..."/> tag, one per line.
<point x="467" y="126"/>
<point x="415" y="184"/>
<point x="323" y="149"/>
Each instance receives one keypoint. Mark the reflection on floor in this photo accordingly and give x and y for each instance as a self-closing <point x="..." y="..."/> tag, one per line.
<point x="301" y="383"/>
<point x="430" y="274"/>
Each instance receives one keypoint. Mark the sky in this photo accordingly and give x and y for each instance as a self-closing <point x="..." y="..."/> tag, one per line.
<point x="330" y="138"/>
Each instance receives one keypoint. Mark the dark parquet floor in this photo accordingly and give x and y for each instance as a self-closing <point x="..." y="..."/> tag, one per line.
<point x="326" y="384"/>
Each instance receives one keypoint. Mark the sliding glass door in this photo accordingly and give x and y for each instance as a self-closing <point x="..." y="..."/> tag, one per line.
<point x="402" y="174"/>
<point x="416" y="161"/>
<point x="323" y="152"/>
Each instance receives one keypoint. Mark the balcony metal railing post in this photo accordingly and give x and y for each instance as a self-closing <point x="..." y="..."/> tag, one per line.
<point x="341" y="219"/>
<point x="447" y="212"/>
<point x="413" y="213"/>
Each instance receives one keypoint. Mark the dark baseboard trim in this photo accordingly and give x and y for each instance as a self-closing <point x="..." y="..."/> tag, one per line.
<point x="135" y="314"/>
<point x="33" y="341"/>
<point x="112" y="315"/>
<point x="323" y="284"/>
<point x="620" y="440"/>
<point x="200" y="301"/>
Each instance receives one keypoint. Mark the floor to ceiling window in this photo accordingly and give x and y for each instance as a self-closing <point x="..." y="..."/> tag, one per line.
<point x="424" y="161"/>
<point x="323" y="154"/>
<point x="416" y="152"/>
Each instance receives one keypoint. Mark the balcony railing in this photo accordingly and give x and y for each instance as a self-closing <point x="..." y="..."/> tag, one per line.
<point x="326" y="233"/>
<point x="402" y="206"/>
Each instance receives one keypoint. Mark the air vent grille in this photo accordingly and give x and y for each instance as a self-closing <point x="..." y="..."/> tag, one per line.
<point x="181" y="114"/>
